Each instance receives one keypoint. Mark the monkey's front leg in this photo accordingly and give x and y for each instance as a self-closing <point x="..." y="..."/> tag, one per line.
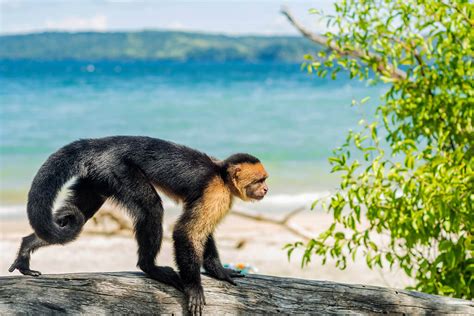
<point x="188" y="252"/>
<point x="213" y="266"/>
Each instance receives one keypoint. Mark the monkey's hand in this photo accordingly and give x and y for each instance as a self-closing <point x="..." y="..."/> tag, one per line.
<point x="234" y="273"/>
<point x="215" y="270"/>
<point x="196" y="299"/>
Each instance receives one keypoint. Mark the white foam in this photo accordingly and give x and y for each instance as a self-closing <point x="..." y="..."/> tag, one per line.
<point x="12" y="211"/>
<point x="305" y="198"/>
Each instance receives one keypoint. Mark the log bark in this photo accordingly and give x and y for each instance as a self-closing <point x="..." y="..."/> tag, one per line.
<point x="133" y="293"/>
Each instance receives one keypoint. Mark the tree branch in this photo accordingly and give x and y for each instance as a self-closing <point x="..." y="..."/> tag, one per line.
<point x="284" y="222"/>
<point x="121" y="224"/>
<point x="323" y="40"/>
<point x="463" y="14"/>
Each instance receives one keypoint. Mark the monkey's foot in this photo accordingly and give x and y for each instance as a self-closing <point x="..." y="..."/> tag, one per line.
<point x="164" y="275"/>
<point x="23" y="265"/>
<point x="30" y="272"/>
<point x="196" y="299"/>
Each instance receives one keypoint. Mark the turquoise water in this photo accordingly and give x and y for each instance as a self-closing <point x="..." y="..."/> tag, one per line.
<point x="289" y="119"/>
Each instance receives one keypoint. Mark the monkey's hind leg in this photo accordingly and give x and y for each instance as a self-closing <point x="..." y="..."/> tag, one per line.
<point x="85" y="197"/>
<point x="149" y="234"/>
<point x="145" y="206"/>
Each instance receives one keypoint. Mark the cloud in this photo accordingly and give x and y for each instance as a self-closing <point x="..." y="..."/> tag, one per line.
<point x="175" y="25"/>
<point x="96" y="23"/>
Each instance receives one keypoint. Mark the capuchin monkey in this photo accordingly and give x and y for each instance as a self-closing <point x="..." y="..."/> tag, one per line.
<point x="130" y="170"/>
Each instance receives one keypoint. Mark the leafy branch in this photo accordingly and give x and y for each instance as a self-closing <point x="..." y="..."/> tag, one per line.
<point x="325" y="41"/>
<point x="414" y="184"/>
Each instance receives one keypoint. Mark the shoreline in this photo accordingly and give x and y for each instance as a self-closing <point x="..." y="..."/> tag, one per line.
<point x="278" y="203"/>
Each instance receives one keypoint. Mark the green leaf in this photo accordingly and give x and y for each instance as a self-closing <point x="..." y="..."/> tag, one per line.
<point x="364" y="100"/>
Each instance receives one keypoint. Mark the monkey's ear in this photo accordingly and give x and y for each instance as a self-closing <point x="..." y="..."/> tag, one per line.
<point x="234" y="171"/>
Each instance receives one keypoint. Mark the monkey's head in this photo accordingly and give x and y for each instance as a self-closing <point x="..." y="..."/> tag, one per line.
<point x="246" y="177"/>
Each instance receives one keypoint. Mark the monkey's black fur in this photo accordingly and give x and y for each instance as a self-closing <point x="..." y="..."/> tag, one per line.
<point x="125" y="168"/>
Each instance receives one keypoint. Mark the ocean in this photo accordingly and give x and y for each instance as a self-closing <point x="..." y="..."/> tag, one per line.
<point x="289" y="119"/>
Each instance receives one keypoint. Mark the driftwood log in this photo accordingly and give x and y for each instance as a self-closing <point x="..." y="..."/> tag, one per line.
<point x="133" y="293"/>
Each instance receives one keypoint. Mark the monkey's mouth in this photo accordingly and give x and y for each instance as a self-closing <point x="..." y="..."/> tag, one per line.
<point x="258" y="197"/>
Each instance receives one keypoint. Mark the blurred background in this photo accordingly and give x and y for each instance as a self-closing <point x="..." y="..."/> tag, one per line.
<point x="222" y="77"/>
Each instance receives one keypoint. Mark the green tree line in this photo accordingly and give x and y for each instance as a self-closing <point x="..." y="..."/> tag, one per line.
<point x="153" y="45"/>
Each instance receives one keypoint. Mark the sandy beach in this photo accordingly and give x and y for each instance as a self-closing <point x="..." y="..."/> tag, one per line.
<point x="239" y="240"/>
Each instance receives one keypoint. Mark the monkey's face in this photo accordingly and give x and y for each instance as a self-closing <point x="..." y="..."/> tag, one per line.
<point x="257" y="189"/>
<point x="249" y="180"/>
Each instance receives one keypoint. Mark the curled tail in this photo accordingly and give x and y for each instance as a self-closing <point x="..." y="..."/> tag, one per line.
<point x="51" y="177"/>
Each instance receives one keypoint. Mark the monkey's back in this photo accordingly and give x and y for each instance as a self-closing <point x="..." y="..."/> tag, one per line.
<point x="177" y="168"/>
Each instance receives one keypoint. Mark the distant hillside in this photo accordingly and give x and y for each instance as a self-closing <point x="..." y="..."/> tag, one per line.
<point x="153" y="45"/>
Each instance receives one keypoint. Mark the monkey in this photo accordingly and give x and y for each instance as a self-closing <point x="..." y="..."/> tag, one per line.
<point x="131" y="171"/>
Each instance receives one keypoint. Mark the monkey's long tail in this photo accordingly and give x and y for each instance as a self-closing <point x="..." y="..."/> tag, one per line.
<point x="51" y="177"/>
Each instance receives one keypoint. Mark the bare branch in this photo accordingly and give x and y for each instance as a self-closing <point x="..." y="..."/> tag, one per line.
<point x="293" y="228"/>
<point x="291" y="214"/>
<point x="122" y="224"/>
<point x="323" y="40"/>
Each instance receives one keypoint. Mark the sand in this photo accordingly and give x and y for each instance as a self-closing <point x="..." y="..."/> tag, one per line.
<point x="239" y="240"/>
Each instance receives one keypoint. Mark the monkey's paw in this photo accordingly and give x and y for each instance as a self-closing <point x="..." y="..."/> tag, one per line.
<point x="227" y="275"/>
<point x="24" y="268"/>
<point x="220" y="273"/>
<point x="234" y="273"/>
<point x="196" y="299"/>
<point x="164" y="275"/>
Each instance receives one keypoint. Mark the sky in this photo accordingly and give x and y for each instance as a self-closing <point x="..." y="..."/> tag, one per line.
<point x="224" y="16"/>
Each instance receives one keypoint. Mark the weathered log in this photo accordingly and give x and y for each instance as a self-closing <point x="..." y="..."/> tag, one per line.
<point x="133" y="293"/>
